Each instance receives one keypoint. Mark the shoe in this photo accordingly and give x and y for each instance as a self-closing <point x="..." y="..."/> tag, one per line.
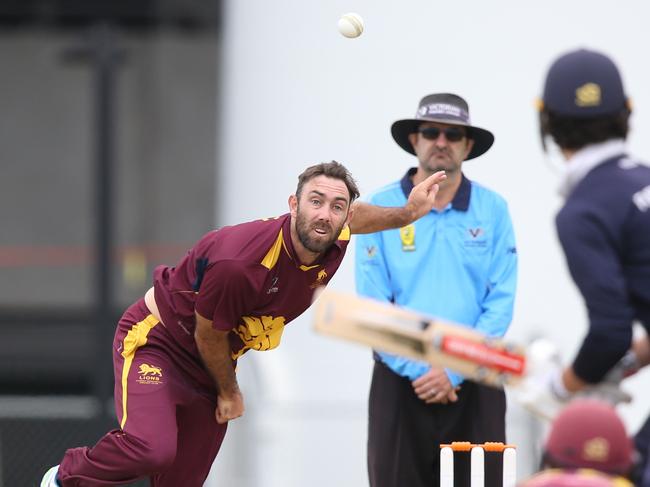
<point x="49" y="479"/>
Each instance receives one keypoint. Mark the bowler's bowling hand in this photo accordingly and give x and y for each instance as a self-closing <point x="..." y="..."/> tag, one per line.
<point x="423" y="195"/>
<point x="229" y="406"/>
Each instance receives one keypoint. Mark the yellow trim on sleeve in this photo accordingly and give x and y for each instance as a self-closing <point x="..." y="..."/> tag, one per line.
<point x="135" y="338"/>
<point x="271" y="257"/>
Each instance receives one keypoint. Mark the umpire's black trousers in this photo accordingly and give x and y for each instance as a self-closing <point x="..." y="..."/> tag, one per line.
<point x="404" y="433"/>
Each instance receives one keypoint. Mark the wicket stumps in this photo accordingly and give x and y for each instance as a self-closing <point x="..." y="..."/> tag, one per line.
<point x="477" y="462"/>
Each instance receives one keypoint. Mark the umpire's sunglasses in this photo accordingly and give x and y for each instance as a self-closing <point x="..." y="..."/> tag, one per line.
<point x="452" y="134"/>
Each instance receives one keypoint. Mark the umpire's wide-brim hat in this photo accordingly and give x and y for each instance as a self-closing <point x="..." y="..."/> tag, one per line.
<point x="442" y="108"/>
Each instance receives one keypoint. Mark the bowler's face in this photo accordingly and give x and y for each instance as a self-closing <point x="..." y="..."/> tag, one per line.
<point x="440" y="153"/>
<point x="321" y="212"/>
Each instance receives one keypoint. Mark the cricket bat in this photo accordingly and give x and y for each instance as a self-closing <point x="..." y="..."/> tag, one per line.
<point x="396" y="330"/>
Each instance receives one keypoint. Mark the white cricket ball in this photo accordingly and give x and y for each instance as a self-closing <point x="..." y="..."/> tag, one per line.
<point x="351" y="25"/>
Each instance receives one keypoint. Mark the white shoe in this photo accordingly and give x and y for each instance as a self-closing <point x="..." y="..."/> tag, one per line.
<point x="49" y="479"/>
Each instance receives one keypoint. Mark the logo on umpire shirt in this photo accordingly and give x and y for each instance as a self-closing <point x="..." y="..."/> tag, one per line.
<point x="476" y="238"/>
<point x="407" y="236"/>
<point x="371" y="251"/>
<point x="149" y="374"/>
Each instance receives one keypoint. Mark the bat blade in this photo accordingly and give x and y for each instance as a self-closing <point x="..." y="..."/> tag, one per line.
<point x="339" y="316"/>
<point x="396" y="330"/>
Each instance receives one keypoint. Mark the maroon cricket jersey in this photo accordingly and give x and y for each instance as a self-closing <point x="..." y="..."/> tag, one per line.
<point x="245" y="278"/>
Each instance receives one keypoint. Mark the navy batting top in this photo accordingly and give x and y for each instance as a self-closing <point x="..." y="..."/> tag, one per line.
<point x="604" y="228"/>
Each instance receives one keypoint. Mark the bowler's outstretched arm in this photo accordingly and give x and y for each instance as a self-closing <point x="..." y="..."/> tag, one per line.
<point x="369" y="218"/>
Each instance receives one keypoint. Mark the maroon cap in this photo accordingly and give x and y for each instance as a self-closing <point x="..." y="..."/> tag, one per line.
<point x="589" y="434"/>
<point x="575" y="478"/>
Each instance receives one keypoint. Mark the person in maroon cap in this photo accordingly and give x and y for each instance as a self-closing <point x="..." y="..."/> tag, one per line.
<point x="175" y="350"/>
<point x="588" y="433"/>
<point x="586" y="446"/>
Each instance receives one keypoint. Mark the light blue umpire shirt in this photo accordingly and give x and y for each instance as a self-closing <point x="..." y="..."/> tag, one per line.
<point x="458" y="264"/>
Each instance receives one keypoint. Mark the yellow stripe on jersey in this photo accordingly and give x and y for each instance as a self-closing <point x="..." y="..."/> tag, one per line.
<point x="271" y="257"/>
<point x="135" y="338"/>
<point x="345" y="233"/>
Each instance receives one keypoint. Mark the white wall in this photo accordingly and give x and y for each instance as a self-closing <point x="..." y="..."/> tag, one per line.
<point x="296" y="92"/>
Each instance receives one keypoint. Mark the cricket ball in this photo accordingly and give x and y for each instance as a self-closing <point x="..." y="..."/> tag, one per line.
<point x="351" y="25"/>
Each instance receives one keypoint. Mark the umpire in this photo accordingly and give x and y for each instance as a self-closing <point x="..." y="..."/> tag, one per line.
<point x="604" y="225"/>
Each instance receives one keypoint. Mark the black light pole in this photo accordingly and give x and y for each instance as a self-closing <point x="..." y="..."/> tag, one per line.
<point x="105" y="58"/>
<point x="105" y="68"/>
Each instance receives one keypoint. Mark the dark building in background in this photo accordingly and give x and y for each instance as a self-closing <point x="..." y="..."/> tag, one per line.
<point x="108" y="149"/>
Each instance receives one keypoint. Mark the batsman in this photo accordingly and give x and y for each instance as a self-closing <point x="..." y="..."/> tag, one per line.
<point x="604" y="225"/>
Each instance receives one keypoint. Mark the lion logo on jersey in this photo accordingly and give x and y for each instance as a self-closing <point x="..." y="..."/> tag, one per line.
<point x="322" y="275"/>
<point x="149" y="374"/>
<point x="146" y="369"/>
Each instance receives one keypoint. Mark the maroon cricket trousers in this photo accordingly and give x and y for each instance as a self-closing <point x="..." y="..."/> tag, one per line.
<point x="165" y="402"/>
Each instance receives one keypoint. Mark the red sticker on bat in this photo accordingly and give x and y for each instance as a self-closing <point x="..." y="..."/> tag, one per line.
<point x="483" y="354"/>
